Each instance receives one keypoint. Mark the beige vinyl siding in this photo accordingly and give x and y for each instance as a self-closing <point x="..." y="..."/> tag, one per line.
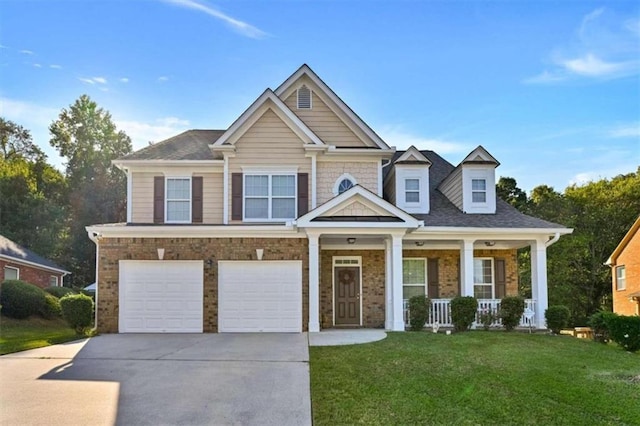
<point x="357" y="209"/>
<point x="268" y="143"/>
<point x="324" y="122"/>
<point x="142" y="197"/>
<point x="451" y="187"/>
<point x="211" y="198"/>
<point x="364" y="172"/>
<point x="390" y="187"/>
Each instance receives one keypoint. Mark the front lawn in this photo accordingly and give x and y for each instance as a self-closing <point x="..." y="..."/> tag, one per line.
<point x="35" y="332"/>
<point x="477" y="377"/>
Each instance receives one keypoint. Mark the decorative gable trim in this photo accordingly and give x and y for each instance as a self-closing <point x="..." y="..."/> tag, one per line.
<point x="368" y="199"/>
<point x="480" y="156"/>
<point x="412" y="155"/>
<point x="304" y="70"/>
<point x="268" y="100"/>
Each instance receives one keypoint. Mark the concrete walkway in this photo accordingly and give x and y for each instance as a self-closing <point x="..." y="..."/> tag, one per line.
<point x="144" y="379"/>
<point x="345" y="337"/>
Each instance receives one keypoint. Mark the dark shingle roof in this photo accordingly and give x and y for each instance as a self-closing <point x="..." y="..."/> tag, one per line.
<point x="189" y="145"/>
<point x="16" y="251"/>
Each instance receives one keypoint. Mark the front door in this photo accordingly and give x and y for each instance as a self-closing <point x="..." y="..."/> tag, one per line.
<point x="347" y="295"/>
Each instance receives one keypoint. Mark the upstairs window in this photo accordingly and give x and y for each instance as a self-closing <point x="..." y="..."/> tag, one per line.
<point x="479" y="190"/>
<point x="483" y="282"/>
<point x="344" y="185"/>
<point x="178" y="200"/>
<point x="412" y="190"/>
<point x="621" y="278"/>
<point x="304" y="97"/>
<point x="269" y="197"/>
<point x="11" y="273"/>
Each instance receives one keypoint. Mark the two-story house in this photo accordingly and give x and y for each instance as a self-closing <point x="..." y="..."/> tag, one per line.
<point x="300" y="217"/>
<point x="625" y="272"/>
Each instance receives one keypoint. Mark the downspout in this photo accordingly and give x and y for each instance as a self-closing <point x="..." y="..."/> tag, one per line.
<point x="555" y="238"/>
<point x="95" y="237"/>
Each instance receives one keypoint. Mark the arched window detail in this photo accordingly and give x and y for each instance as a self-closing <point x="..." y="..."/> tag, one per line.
<point x="344" y="183"/>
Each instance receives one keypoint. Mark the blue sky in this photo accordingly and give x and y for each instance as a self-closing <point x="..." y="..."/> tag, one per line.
<point x="551" y="89"/>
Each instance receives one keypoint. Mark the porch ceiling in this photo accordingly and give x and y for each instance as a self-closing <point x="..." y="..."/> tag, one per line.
<point x="375" y="241"/>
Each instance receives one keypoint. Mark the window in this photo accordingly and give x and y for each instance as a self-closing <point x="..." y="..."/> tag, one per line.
<point x="178" y="200"/>
<point x="414" y="277"/>
<point x="53" y="281"/>
<point x="412" y="190"/>
<point x="621" y="278"/>
<point x="11" y="273"/>
<point x="344" y="185"/>
<point x="304" y="97"/>
<point x="269" y="197"/>
<point x="479" y="190"/>
<point x="483" y="278"/>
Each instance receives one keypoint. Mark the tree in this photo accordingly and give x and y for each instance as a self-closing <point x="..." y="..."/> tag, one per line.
<point x="87" y="138"/>
<point x="507" y="189"/>
<point x="16" y="142"/>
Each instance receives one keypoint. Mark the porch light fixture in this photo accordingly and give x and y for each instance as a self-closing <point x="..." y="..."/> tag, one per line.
<point x="259" y="253"/>
<point x="489" y="243"/>
<point x="419" y="243"/>
<point x="160" y="253"/>
<point x="351" y="240"/>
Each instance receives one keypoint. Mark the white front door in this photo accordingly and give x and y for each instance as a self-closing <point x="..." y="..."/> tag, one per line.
<point x="260" y="296"/>
<point x="161" y="296"/>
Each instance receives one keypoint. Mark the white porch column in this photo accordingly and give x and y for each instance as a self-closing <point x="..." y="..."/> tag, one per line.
<point x="314" y="283"/>
<point x="466" y="268"/>
<point x="539" y="280"/>
<point x="396" y="262"/>
<point x="388" y="286"/>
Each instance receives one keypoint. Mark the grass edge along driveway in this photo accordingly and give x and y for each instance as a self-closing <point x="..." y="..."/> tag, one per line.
<point x="476" y="377"/>
<point x="34" y="332"/>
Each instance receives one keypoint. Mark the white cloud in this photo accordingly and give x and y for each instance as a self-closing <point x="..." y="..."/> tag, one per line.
<point x="584" y="177"/>
<point x="26" y="52"/>
<point x="100" y="80"/>
<point x="93" y="80"/>
<point x="124" y="80"/>
<point x="592" y="66"/>
<point x="37" y="65"/>
<point x="26" y="113"/>
<point x="141" y="133"/>
<point x="241" y="27"/>
<point x="545" y="77"/>
<point x="401" y="139"/>
<point x="55" y="67"/>
<point x="86" y="80"/>
<point x="163" y="79"/>
<point x="625" y="131"/>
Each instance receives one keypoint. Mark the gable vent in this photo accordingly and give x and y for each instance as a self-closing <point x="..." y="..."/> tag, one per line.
<point x="304" y="98"/>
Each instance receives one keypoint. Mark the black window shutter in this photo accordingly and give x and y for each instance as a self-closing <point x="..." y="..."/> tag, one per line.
<point x="501" y="278"/>
<point x="303" y="193"/>
<point x="236" y="196"/>
<point x="158" y="199"/>
<point x="432" y="278"/>
<point x="196" y="199"/>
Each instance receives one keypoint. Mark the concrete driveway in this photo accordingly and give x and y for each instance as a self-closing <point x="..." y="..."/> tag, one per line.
<point x="169" y="379"/>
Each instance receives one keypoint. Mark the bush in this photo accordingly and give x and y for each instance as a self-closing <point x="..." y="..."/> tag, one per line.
<point x="60" y="292"/>
<point x="511" y="310"/>
<point x="20" y="299"/>
<point x="77" y="310"/>
<point x="557" y="317"/>
<point x="599" y="324"/>
<point x="625" y="331"/>
<point x="463" y="312"/>
<point x="487" y="317"/>
<point x="418" y="312"/>
<point x="51" y="308"/>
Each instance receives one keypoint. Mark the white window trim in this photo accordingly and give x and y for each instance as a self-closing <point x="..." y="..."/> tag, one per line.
<point x="298" y="96"/>
<point x="426" y="280"/>
<point x="493" y="277"/>
<point x="484" y="191"/>
<point x="624" y="278"/>
<point x="166" y="198"/>
<point x="412" y="203"/>
<point x="336" y="185"/>
<point x="15" y="269"/>
<point x="56" y="278"/>
<point x="270" y="197"/>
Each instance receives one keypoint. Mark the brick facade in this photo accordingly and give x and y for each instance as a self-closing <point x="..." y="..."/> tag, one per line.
<point x="31" y="274"/>
<point x="114" y="249"/>
<point x="630" y="258"/>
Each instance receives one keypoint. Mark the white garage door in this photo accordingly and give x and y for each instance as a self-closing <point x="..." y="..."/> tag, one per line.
<point x="260" y="296"/>
<point x="161" y="296"/>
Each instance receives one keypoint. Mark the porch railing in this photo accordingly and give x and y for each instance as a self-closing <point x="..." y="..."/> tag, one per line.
<point x="440" y="313"/>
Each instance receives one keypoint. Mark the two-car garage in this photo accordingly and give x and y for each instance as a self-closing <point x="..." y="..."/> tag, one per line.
<point x="168" y="296"/>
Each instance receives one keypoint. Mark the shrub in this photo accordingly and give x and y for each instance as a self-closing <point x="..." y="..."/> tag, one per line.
<point x="511" y="310"/>
<point x="77" y="310"/>
<point x="487" y="317"/>
<point x="557" y="317"/>
<point x="60" y="292"/>
<point x="463" y="312"/>
<point x="20" y="299"/>
<point x="418" y="312"/>
<point x="625" y="331"/>
<point x="51" y="308"/>
<point x="599" y="324"/>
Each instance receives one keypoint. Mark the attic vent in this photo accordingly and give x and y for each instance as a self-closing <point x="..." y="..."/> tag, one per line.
<point x="304" y="97"/>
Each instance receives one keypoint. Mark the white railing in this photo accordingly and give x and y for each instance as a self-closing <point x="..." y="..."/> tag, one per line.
<point x="440" y="313"/>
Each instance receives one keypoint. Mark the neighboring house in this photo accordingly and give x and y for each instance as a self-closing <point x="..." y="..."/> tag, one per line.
<point x="300" y="217"/>
<point x="625" y="273"/>
<point x="19" y="263"/>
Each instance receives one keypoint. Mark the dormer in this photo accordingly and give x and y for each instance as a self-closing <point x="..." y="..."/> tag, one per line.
<point x="408" y="182"/>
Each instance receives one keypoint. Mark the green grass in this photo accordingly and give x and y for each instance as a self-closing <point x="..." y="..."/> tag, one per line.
<point x="19" y="335"/>
<point x="477" y="378"/>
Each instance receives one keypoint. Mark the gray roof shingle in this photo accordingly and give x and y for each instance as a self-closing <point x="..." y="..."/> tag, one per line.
<point x="16" y="251"/>
<point x="189" y="145"/>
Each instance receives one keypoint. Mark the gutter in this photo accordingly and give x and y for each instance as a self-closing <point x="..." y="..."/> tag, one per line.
<point x="555" y="238"/>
